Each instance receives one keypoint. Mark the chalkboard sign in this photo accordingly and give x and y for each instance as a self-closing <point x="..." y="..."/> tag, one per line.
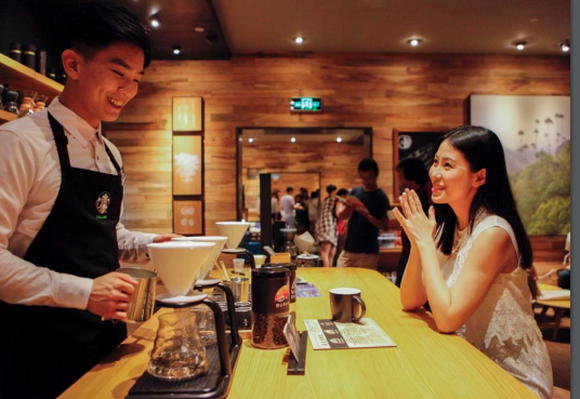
<point x="417" y="143"/>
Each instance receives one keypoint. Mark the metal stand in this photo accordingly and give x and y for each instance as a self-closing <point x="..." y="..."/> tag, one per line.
<point x="298" y="367"/>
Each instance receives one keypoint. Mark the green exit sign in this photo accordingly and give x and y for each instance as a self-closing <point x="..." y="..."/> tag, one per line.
<point x="306" y="104"/>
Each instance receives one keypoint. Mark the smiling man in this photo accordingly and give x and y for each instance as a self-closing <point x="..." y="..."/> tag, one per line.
<point x="61" y="197"/>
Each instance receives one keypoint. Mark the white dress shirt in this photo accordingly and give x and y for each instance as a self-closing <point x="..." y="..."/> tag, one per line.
<point x="30" y="182"/>
<point x="287" y="205"/>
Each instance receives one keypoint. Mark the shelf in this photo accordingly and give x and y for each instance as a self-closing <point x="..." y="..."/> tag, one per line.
<point x="6" y="116"/>
<point x="20" y="77"/>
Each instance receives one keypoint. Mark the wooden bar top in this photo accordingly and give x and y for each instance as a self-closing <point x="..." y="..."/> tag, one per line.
<point x="425" y="363"/>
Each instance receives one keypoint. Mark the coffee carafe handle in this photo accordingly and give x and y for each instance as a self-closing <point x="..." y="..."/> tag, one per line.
<point x="363" y="308"/>
<point x="220" y="328"/>
<point x="236" y="339"/>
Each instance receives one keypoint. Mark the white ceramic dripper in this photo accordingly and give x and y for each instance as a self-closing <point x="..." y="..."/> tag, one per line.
<point x="234" y="231"/>
<point x="219" y="242"/>
<point x="178" y="263"/>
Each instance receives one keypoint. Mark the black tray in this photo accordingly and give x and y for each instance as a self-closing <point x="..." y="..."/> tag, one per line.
<point x="211" y="385"/>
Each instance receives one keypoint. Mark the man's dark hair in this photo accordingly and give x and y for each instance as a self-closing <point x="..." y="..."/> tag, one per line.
<point x="289" y="188"/>
<point x="91" y="27"/>
<point x="414" y="170"/>
<point x="368" y="164"/>
<point x="330" y="188"/>
<point x="342" y="192"/>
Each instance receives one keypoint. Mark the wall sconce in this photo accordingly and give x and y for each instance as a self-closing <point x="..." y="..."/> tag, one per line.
<point x="187" y="114"/>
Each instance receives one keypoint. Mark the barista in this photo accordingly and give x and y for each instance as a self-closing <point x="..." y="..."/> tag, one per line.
<point x="60" y="206"/>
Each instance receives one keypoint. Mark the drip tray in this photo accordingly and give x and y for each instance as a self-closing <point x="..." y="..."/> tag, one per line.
<point x="212" y="384"/>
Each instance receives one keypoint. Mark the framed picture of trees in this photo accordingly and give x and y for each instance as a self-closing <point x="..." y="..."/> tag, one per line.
<point x="535" y="134"/>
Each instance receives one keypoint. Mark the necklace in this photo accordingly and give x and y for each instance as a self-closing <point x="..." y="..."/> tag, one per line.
<point x="458" y="238"/>
<point x="459" y="235"/>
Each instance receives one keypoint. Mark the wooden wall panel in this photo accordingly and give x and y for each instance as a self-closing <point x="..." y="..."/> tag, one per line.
<point x="382" y="91"/>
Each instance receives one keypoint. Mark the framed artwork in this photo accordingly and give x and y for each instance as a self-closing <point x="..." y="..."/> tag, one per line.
<point x="187" y="114"/>
<point x="187" y="165"/>
<point x="187" y="217"/>
<point x="420" y="143"/>
<point x="535" y="134"/>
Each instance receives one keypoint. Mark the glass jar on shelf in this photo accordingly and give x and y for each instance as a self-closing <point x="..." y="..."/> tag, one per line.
<point x="40" y="102"/>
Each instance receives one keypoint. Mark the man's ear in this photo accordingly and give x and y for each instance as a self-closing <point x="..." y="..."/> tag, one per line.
<point x="72" y="62"/>
<point x="480" y="178"/>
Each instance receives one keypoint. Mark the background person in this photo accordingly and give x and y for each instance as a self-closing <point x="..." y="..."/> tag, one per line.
<point x="367" y="214"/>
<point x="469" y="257"/>
<point x="61" y="197"/>
<point x="326" y="227"/>
<point x="287" y="207"/>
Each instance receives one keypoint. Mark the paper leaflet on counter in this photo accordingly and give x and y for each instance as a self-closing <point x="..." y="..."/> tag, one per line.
<point x="327" y="334"/>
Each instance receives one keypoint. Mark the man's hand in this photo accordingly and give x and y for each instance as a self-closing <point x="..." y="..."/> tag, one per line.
<point x="165" y="237"/>
<point x="111" y="295"/>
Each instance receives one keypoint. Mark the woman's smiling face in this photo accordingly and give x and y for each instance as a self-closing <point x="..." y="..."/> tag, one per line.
<point x="451" y="176"/>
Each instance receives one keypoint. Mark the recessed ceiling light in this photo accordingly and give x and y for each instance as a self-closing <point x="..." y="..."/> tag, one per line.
<point x="154" y="21"/>
<point x="293" y="139"/>
<point x="414" y="42"/>
<point x="534" y="20"/>
<point x="565" y="46"/>
<point x="176" y="49"/>
<point x="299" y="40"/>
<point x="199" y="29"/>
<point x="338" y="139"/>
<point x="520" y="45"/>
<point x="250" y="140"/>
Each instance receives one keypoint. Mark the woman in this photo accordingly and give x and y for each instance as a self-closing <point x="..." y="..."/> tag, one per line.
<point x="480" y="294"/>
<point x="326" y="227"/>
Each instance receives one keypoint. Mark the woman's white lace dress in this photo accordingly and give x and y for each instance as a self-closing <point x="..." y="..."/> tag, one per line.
<point x="503" y="326"/>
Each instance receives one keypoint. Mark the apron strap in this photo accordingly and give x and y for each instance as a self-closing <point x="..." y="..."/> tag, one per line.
<point x="61" y="142"/>
<point x="112" y="158"/>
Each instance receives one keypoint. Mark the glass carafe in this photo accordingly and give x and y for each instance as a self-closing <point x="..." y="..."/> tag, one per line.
<point x="206" y="322"/>
<point x="178" y="353"/>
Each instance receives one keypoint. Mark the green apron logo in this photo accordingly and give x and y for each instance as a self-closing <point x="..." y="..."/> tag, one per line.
<point x="103" y="201"/>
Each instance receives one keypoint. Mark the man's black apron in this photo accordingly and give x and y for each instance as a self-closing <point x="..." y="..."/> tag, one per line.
<point x="43" y="349"/>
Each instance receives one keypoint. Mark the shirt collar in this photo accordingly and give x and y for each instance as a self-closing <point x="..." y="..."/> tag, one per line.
<point x="79" y="128"/>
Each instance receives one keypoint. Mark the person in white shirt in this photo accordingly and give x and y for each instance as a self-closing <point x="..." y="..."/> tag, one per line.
<point x="61" y="195"/>
<point x="287" y="206"/>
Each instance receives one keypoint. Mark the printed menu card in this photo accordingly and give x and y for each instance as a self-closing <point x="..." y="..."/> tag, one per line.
<point x="328" y="334"/>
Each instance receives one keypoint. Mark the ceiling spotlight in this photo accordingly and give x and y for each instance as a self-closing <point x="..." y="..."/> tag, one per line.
<point x="293" y="139"/>
<point x="520" y="45"/>
<point x="176" y="49"/>
<point x="565" y="46"/>
<point x="250" y="140"/>
<point x="414" y="42"/>
<point x="299" y="40"/>
<point x="154" y="21"/>
<point x="199" y="29"/>
<point x="338" y="139"/>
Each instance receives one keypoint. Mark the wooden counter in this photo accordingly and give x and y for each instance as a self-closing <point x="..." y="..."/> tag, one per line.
<point x="425" y="364"/>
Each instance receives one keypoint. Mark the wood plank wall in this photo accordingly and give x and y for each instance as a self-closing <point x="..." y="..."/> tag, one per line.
<point x="382" y="91"/>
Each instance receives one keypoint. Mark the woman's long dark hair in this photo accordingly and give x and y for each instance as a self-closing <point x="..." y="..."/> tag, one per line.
<point x="482" y="149"/>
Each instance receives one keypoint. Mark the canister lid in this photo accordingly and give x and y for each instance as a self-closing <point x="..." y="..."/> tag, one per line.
<point x="271" y="272"/>
<point x="29" y="47"/>
<point x="286" y="265"/>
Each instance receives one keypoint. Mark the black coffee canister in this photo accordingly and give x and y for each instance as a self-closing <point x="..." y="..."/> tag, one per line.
<point x="16" y="51"/>
<point x="270" y="306"/>
<point x="61" y="77"/>
<point x="41" y="62"/>
<point x="292" y="268"/>
<point x="29" y="55"/>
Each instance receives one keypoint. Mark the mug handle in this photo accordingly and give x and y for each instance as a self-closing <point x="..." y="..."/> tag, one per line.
<point x="363" y="308"/>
